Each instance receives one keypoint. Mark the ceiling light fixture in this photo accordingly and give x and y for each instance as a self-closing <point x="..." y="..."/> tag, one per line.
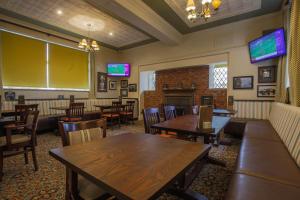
<point x="206" y="11"/>
<point x="59" y="12"/>
<point x="87" y="43"/>
<point x="111" y="33"/>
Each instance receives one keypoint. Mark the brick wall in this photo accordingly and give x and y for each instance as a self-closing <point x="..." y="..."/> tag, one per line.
<point x="197" y="75"/>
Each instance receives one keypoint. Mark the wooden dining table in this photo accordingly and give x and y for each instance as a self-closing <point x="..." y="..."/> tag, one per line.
<point x="187" y="124"/>
<point x="132" y="166"/>
<point x="224" y="112"/>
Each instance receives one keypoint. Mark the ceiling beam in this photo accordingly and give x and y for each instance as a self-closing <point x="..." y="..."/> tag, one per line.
<point x="140" y="16"/>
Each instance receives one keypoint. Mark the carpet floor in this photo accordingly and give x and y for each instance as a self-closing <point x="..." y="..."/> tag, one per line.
<point x="20" y="182"/>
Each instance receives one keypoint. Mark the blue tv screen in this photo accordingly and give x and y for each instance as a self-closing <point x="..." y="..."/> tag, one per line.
<point x="268" y="46"/>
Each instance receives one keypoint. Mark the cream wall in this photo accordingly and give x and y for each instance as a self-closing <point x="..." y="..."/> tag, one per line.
<point x="227" y="42"/>
<point x="102" y="57"/>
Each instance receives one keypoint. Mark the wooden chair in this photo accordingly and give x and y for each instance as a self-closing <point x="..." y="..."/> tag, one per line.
<point x="26" y="140"/>
<point x="74" y="113"/>
<point x="151" y="117"/>
<point x="169" y="112"/>
<point x="21" y="109"/>
<point x="77" y="133"/>
<point x="127" y="113"/>
<point x="113" y="117"/>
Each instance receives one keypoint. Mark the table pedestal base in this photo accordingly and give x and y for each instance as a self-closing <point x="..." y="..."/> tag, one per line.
<point x="216" y="161"/>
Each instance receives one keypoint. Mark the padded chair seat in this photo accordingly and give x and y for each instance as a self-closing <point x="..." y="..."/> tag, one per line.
<point x="88" y="190"/>
<point x="109" y="115"/>
<point x="72" y="119"/>
<point x="126" y="113"/>
<point x="253" y="188"/>
<point x="261" y="130"/>
<point x="15" y="139"/>
<point x="269" y="160"/>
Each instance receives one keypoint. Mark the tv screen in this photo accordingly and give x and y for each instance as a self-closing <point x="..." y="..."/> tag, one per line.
<point x="118" y="69"/>
<point x="268" y="46"/>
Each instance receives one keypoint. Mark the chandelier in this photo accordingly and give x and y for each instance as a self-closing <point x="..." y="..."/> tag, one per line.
<point x="206" y="11"/>
<point x="87" y="43"/>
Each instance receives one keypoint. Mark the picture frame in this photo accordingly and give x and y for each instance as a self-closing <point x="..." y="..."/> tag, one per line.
<point x="266" y="91"/>
<point x="243" y="82"/>
<point x="124" y="92"/>
<point x="132" y="87"/>
<point x="267" y="74"/>
<point x="101" y="82"/>
<point x="9" y="96"/>
<point x="112" y="85"/>
<point x="124" y="83"/>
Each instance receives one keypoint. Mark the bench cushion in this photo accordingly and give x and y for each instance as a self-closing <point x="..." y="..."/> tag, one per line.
<point x="269" y="160"/>
<point x="286" y="121"/>
<point x="253" y="188"/>
<point x="261" y="130"/>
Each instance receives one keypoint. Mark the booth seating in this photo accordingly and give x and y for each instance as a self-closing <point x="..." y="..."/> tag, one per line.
<point x="268" y="166"/>
<point x="48" y="118"/>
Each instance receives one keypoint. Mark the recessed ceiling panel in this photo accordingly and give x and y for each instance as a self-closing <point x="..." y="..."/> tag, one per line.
<point x="74" y="16"/>
<point x="229" y="8"/>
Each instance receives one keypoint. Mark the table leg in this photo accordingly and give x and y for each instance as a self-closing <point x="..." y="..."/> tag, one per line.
<point x="71" y="185"/>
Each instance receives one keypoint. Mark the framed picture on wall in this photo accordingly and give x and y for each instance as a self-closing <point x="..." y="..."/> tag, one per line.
<point x="124" y="83"/>
<point x="266" y="90"/>
<point x="267" y="74"/>
<point x="10" y="96"/>
<point x="243" y="82"/>
<point x="101" y="82"/>
<point x="132" y="87"/>
<point x="113" y="85"/>
<point x="124" y="92"/>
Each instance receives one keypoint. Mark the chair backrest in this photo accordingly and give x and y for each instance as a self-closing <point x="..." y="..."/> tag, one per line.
<point x="75" y="110"/>
<point x="195" y="110"/>
<point x="116" y="107"/>
<point x="207" y="100"/>
<point x="83" y="131"/>
<point x="31" y="122"/>
<point x="170" y="112"/>
<point x="72" y="99"/>
<point x="129" y="108"/>
<point x="130" y="102"/>
<point x="21" y="109"/>
<point x="151" y="116"/>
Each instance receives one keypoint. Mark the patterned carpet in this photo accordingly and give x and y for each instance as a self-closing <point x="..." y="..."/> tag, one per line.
<point x="20" y="182"/>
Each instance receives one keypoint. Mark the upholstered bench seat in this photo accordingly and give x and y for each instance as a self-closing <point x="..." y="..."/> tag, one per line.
<point x="268" y="160"/>
<point x="268" y="166"/>
<point x="244" y="187"/>
<point x="261" y="129"/>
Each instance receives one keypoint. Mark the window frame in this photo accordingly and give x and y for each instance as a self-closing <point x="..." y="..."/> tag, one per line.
<point x="211" y="84"/>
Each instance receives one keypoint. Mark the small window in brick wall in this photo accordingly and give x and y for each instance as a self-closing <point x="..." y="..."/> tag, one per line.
<point x="218" y="76"/>
<point x="147" y="81"/>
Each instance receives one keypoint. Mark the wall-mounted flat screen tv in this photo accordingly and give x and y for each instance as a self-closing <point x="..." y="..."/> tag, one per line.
<point x="268" y="46"/>
<point x="118" y="70"/>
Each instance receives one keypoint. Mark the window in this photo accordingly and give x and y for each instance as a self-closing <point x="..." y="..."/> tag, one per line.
<point x="218" y="76"/>
<point x="147" y="81"/>
<point x="29" y="63"/>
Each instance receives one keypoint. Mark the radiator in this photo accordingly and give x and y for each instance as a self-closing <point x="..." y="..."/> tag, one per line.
<point x="252" y="109"/>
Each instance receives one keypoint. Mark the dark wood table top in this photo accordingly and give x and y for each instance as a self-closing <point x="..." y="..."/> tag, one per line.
<point x="107" y="106"/>
<point x="224" y="112"/>
<point x="132" y="166"/>
<point x="188" y="124"/>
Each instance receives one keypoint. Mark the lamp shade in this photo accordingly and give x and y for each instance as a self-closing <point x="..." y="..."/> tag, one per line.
<point x="216" y="4"/>
<point x="190" y="5"/>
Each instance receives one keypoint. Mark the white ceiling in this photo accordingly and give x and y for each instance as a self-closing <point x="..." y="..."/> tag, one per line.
<point x="228" y="8"/>
<point x="76" y="15"/>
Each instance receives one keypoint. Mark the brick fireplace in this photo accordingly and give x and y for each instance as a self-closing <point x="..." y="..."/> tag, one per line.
<point x="185" y="77"/>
